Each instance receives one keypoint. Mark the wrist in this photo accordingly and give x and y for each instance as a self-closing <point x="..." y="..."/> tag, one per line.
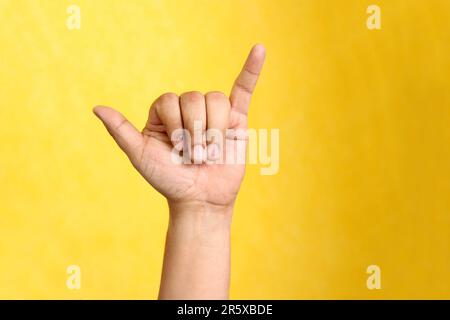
<point x="201" y="223"/>
<point x="200" y="210"/>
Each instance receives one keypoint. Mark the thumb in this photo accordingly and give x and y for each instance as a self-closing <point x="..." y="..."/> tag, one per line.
<point x="124" y="133"/>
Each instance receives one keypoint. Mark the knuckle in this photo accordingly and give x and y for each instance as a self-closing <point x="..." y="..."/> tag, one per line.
<point x="192" y="97"/>
<point x="167" y="98"/>
<point x="217" y="98"/>
<point x="164" y="101"/>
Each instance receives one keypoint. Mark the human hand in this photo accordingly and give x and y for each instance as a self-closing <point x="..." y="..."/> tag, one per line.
<point x="206" y="181"/>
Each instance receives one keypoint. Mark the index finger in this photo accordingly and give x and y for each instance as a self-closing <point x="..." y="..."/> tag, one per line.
<point x="245" y="83"/>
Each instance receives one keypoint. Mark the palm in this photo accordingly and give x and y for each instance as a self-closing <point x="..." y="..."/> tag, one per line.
<point x="215" y="184"/>
<point x="151" y="150"/>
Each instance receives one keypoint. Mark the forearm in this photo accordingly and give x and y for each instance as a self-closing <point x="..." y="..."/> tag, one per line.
<point x="197" y="254"/>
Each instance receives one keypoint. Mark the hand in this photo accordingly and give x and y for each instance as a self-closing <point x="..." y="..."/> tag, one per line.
<point x="204" y="182"/>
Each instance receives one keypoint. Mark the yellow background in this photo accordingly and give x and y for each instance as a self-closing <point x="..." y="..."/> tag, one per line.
<point x="364" y="119"/>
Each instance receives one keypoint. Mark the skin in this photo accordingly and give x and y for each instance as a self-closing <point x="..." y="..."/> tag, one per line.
<point x="201" y="194"/>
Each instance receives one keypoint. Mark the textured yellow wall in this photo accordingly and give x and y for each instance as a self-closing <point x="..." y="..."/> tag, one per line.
<point x="364" y="119"/>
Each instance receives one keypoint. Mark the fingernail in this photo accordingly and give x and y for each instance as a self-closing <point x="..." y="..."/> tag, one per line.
<point x="178" y="143"/>
<point x="213" y="151"/>
<point x="198" y="154"/>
